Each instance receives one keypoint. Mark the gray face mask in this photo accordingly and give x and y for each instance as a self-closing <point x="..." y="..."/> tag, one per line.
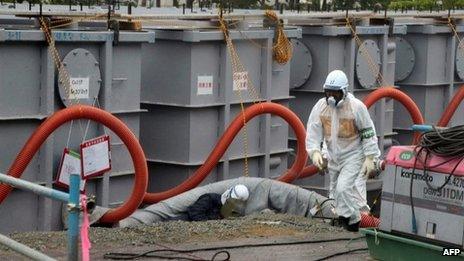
<point x="232" y="208"/>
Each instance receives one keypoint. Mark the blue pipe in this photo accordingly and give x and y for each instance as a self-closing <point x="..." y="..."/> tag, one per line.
<point x="422" y="127"/>
<point x="72" y="199"/>
<point x="73" y="217"/>
<point x="37" y="189"/>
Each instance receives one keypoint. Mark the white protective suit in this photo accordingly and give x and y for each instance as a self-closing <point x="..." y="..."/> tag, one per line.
<point x="349" y="134"/>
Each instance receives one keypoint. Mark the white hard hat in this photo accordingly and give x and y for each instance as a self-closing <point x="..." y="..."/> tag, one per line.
<point x="336" y="80"/>
<point x="239" y="192"/>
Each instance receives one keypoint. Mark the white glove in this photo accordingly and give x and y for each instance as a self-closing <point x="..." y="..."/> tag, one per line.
<point x="318" y="161"/>
<point x="368" y="166"/>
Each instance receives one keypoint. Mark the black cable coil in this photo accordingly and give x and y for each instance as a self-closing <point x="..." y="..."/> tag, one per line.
<point x="447" y="143"/>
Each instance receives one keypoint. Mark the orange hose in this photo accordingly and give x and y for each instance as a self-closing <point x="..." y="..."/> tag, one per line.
<point x="451" y="108"/>
<point x="401" y="97"/>
<point x="110" y="121"/>
<point x="308" y="171"/>
<point x="226" y="140"/>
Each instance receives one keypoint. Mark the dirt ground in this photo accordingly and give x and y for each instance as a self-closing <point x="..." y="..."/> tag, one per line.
<point x="288" y="238"/>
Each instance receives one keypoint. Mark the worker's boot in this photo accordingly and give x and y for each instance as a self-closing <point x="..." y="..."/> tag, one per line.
<point x="344" y="221"/>
<point x="353" y="227"/>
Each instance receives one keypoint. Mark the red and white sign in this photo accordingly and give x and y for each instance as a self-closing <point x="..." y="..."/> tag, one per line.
<point x="205" y="85"/>
<point x="240" y="81"/>
<point x="96" y="157"/>
<point x="70" y="164"/>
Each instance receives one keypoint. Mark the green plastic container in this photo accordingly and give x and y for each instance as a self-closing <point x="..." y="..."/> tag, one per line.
<point x="386" y="247"/>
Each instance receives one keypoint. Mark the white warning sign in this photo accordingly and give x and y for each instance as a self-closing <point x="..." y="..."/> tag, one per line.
<point x="70" y="164"/>
<point x="205" y="85"/>
<point x="240" y="81"/>
<point x="79" y="88"/>
<point x="96" y="158"/>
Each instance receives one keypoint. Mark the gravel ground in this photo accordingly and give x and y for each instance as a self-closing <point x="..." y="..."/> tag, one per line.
<point x="253" y="229"/>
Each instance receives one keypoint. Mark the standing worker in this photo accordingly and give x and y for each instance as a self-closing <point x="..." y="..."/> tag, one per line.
<point x="344" y="124"/>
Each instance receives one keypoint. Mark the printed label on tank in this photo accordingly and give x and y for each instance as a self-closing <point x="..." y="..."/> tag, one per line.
<point x="79" y="88"/>
<point x="240" y="81"/>
<point x="205" y="85"/>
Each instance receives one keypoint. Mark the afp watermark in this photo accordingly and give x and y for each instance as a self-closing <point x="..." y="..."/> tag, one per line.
<point x="451" y="252"/>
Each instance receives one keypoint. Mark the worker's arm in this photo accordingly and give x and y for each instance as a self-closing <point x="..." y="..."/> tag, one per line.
<point x="314" y="130"/>
<point x="366" y="131"/>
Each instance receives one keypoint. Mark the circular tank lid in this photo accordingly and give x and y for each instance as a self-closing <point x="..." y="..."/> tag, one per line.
<point x="82" y="71"/>
<point x="368" y="64"/>
<point x="460" y="61"/>
<point x="405" y="59"/>
<point x="301" y="64"/>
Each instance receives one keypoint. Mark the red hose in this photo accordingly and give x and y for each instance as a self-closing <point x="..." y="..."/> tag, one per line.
<point x="401" y="97"/>
<point x="226" y="140"/>
<point x="375" y="96"/>
<point x="110" y="121"/>
<point x="368" y="221"/>
<point x="451" y="108"/>
<point x="308" y="171"/>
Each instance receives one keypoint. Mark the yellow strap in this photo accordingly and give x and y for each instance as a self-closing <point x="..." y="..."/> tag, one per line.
<point x="63" y="75"/>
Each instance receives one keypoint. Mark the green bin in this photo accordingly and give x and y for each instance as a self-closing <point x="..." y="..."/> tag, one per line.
<point x="386" y="247"/>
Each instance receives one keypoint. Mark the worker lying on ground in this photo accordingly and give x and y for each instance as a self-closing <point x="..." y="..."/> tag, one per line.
<point x="263" y="194"/>
<point x="344" y="124"/>
<point x="212" y="206"/>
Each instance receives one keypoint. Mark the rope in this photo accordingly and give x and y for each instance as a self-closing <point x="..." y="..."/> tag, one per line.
<point x="237" y="70"/>
<point x="283" y="49"/>
<point x="282" y="52"/>
<point x="453" y="28"/>
<point x="375" y="69"/>
<point x="63" y="75"/>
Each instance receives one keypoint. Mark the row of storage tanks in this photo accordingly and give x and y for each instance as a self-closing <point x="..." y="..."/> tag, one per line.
<point x="174" y="90"/>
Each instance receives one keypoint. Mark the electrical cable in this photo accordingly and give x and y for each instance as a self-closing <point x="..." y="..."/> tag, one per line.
<point x="447" y="143"/>
<point x="131" y="256"/>
<point x="411" y="200"/>
<point x="151" y="254"/>
<point x="342" y="253"/>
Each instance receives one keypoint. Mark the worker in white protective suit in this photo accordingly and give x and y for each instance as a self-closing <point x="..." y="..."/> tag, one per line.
<point x="343" y="123"/>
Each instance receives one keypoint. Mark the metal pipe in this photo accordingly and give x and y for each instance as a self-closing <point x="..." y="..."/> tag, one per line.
<point x="73" y="217"/>
<point x="23" y="249"/>
<point x="37" y="189"/>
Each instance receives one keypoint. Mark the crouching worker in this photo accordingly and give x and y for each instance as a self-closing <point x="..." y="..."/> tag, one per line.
<point x="213" y="206"/>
